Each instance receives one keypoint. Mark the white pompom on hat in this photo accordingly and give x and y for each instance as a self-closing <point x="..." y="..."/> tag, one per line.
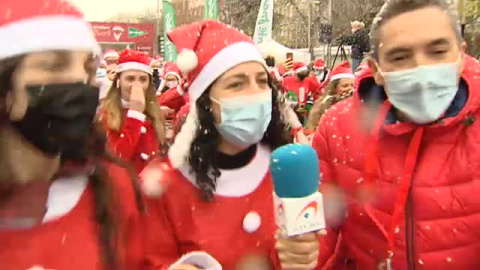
<point x="34" y="26"/>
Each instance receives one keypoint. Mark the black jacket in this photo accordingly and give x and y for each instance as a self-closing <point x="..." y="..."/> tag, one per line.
<point x="359" y="43"/>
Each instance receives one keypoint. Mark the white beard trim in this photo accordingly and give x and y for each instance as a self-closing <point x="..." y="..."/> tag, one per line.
<point x="179" y="151"/>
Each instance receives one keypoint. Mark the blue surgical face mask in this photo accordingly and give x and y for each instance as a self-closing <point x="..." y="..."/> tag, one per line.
<point x="245" y="119"/>
<point x="423" y="93"/>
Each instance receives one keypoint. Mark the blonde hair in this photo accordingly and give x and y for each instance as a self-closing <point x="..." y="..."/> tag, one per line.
<point x="112" y="110"/>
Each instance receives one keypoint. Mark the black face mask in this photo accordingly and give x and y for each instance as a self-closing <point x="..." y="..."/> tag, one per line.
<point x="59" y="118"/>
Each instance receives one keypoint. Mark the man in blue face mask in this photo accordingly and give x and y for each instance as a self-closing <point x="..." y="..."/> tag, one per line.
<point x="404" y="152"/>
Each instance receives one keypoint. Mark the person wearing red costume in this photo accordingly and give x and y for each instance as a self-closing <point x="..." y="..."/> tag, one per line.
<point x="217" y="205"/>
<point x="403" y="153"/>
<point x="318" y="78"/>
<point x="64" y="203"/>
<point x="298" y="90"/>
<point x="130" y="114"/>
<point x="172" y="93"/>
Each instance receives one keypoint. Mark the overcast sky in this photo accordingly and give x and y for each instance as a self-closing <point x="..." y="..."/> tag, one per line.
<point x="100" y="10"/>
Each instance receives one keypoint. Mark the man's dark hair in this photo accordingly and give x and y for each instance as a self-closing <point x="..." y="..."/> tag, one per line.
<point x="270" y="61"/>
<point x="393" y="8"/>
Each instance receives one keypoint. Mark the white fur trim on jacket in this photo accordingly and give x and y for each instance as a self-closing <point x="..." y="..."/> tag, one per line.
<point x="178" y="152"/>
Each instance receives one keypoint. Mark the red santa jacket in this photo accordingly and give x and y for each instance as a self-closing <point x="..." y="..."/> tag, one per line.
<point x="136" y="141"/>
<point x="69" y="236"/>
<point x="316" y="88"/>
<point x="301" y="88"/>
<point x="440" y="228"/>
<point x="239" y="222"/>
<point x="172" y="98"/>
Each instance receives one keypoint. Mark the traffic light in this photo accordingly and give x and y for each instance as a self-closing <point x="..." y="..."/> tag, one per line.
<point x="161" y="45"/>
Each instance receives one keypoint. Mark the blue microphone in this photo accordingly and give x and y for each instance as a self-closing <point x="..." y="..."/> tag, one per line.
<point x="296" y="177"/>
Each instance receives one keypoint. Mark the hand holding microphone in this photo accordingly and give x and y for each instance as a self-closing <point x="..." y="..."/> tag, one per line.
<point x="298" y="205"/>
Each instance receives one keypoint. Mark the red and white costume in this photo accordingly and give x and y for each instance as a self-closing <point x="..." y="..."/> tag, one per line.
<point x="301" y="88"/>
<point x="68" y="237"/>
<point x="137" y="140"/>
<point x="182" y="228"/>
<point x="173" y="98"/>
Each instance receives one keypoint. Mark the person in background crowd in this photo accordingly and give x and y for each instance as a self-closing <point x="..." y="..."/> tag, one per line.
<point x="64" y="203"/>
<point x="404" y="151"/>
<point x="172" y="97"/>
<point x="359" y="42"/>
<point x="297" y="90"/>
<point x="130" y="114"/>
<point x="318" y="78"/>
<point x="156" y="65"/>
<point x="218" y="179"/>
<point x="110" y="56"/>
<point x="339" y="87"/>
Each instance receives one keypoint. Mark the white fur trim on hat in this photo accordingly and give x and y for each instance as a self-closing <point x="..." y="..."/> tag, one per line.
<point x="187" y="61"/>
<point x="134" y="66"/>
<point x="174" y="74"/>
<point x="342" y="76"/>
<point x="304" y="68"/>
<point x="47" y="34"/>
<point x="178" y="152"/>
<point x="224" y="60"/>
<point x="111" y="54"/>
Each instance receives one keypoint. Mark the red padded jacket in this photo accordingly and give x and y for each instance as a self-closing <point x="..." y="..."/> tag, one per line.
<point x="371" y="160"/>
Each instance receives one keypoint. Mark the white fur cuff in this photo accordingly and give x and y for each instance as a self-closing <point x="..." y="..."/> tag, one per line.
<point x="199" y="258"/>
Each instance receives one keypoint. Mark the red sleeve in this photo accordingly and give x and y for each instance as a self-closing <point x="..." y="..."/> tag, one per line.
<point x="129" y="229"/>
<point x="315" y="87"/>
<point x="124" y="142"/>
<point x="329" y="244"/>
<point x="161" y="245"/>
<point x="172" y="98"/>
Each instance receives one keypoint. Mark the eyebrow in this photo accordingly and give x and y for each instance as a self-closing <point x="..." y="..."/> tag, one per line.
<point x="396" y="50"/>
<point x="438" y="42"/>
<point x="244" y="75"/>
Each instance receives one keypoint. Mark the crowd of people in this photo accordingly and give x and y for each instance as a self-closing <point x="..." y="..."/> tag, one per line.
<point x="117" y="160"/>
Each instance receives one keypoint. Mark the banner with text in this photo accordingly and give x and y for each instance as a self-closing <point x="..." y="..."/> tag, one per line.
<point x="263" y="28"/>
<point x="211" y="9"/>
<point x="169" y="23"/>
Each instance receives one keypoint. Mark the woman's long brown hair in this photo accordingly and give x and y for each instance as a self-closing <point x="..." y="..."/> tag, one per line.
<point x="107" y="212"/>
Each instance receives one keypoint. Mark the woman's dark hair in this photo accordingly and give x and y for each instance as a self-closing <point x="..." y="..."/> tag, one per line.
<point x="106" y="207"/>
<point x="203" y="151"/>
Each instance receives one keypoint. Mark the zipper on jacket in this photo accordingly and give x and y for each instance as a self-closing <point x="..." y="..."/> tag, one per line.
<point x="409" y="225"/>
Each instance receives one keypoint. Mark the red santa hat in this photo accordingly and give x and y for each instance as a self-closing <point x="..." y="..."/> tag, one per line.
<point x="34" y="26"/>
<point x="134" y="60"/>
<point x="207" y="50"/>
<point x="319" y="64"/>
<point x="299" y="67"/>
<point x="172" y="69"/>
<point x="110" y="54"/>
<point x="342" y="71"/>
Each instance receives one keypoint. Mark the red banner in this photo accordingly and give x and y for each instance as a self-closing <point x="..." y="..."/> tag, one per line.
<point x="108" y="32"/>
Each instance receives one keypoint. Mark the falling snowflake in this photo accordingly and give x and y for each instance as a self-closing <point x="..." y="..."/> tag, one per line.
<point x="449" y="259"/>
